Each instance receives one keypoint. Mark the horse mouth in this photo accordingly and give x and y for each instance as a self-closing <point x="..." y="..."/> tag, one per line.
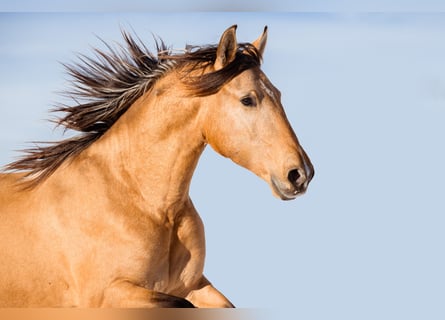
<point x="285" y="191"/>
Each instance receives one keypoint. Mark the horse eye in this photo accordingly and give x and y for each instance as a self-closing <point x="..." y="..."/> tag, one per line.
<point x="248" y="102"/>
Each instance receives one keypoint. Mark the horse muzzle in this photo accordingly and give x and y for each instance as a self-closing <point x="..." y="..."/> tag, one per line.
<point x="296" y="183"/>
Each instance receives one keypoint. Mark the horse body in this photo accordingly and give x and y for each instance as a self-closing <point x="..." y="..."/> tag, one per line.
<point x="131" y="222"/>
<point x="114" y="225"/>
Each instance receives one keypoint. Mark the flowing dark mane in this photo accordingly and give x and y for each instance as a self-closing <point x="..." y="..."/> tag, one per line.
<point x="105" y="86"/>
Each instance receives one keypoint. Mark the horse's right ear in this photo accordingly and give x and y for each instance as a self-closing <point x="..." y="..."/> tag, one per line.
<point x="227" y="48"/>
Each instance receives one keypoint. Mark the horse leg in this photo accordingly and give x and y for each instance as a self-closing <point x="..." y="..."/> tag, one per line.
<point x="125" y="294"/>
<point x="206" y="296"/>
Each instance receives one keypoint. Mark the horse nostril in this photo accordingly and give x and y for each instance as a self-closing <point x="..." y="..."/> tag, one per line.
<point x="293" y="176"/>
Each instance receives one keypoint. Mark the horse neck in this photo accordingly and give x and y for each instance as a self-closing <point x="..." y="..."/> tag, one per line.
<point x="152" y="150"/>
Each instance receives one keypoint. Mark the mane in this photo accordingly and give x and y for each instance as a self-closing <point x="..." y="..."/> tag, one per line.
<point x="105" y="86"/>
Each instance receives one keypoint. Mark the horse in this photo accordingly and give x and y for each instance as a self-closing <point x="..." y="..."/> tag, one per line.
<point x="104" y="218"/>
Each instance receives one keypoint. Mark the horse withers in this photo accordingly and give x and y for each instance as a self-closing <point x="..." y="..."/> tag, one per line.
<point x="104" y="219"/>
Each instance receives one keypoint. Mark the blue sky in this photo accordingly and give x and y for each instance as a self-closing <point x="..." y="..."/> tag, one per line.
<point x="227" y="5"/>
<point x="365" y="93"/>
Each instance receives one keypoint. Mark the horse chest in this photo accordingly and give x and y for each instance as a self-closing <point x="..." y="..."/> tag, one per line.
<point x="186" y="253"/>
<point x="170" y="259"/>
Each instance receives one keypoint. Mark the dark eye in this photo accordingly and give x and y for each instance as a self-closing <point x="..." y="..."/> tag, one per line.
<point x="248" y="102"/>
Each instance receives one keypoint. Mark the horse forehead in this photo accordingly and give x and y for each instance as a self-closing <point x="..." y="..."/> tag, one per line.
<point x="268" y="88"/>
<point x="257" y="78"/>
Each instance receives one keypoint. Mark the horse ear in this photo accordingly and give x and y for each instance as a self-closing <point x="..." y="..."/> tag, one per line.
<point x="260" y="43"/>
<point x="227" y="48"/>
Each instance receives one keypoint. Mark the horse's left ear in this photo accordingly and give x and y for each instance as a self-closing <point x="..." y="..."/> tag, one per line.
<point x="260" y="43"/>
<point x="227" y="48"/>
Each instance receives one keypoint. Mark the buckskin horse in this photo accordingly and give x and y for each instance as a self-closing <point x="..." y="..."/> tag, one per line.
<point x="104" y="218"/>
